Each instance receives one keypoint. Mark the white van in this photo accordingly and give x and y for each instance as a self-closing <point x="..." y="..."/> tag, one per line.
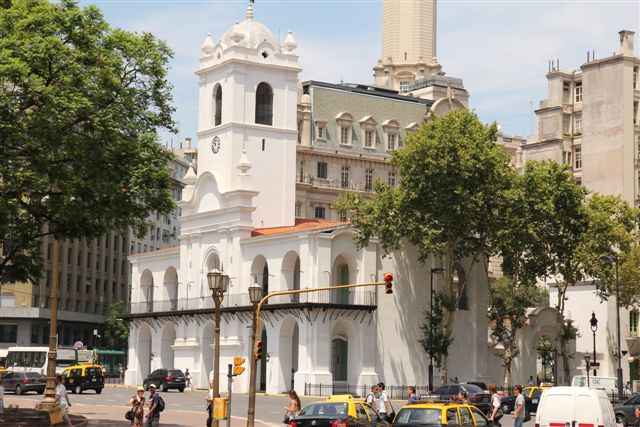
<point x="574" y="407"/>
<point x="608" y="384"/>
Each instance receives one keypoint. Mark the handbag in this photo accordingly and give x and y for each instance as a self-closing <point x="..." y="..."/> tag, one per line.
<point x="286" y="419"/>
<point x="129" y="415"/>
<point x="55" y="416"/>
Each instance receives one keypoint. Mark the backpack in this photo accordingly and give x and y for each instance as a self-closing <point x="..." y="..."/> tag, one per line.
<point x="160" y="404"/>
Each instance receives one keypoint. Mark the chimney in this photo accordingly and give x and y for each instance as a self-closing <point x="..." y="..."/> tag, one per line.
<point x="626" y="42"/>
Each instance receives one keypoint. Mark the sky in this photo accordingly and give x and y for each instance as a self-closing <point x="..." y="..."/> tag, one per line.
<point x="500" y="48"/>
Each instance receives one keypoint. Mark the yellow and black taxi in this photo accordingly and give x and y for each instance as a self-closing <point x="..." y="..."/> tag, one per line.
<point x="79" y="378"/>
<point x="341" y="410"/>
<point x="440" y="414"/>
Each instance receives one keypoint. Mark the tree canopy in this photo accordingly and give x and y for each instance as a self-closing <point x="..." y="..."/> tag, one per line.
<point x="80" y="107"/>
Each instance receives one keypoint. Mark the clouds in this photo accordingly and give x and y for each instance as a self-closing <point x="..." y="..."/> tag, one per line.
<point x="500" y="48"/>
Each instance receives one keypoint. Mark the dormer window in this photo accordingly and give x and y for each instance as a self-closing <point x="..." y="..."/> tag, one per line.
<point x="264" y="104"/>
<point x="321" y="130"/>
<point x="392" y="134"/>
<point x="368" y="125"/>
<point x="217" y="105"/>
<point x="345" y="123"/>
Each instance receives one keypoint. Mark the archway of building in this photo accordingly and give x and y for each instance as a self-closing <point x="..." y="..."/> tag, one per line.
<point x="260" y="273"/>
<point x="146" y="288"/>
<point x="144" y="351"/>
<point x="343" y="356"/>
<point x="170" y="289"/>
<point x="207" y="351"/>
<point x="291" y="274"/>
<point x="166" y="352"/>
<point x="341" y="275"/>
<point x="288" y="351"/>
<point x="211" y="261"/>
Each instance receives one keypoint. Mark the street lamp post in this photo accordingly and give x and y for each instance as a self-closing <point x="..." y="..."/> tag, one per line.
<point x="594" y="328"/>
<point x="434" y="270"/>
<point x="255" y="295"/>
<point x="218" y="283"/>
<point x="586" y="361"/>
<point x="613" y="259"/>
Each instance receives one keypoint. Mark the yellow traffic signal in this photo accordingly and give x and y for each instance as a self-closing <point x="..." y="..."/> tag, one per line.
<point x="237" y="365"/>
<point x="388" y="283"/>
<point x="258" y="350"/>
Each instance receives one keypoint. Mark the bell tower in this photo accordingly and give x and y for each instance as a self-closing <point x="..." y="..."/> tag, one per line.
<point x="247" y="113"/>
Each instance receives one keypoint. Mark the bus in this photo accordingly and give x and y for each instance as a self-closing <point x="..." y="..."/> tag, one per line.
<point x="35" y="359"/>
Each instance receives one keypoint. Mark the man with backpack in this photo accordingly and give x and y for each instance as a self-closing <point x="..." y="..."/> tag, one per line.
<point x="156" y="405"/>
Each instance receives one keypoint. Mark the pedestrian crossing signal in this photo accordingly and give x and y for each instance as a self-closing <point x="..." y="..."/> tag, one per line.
<point x="388" y="283"/>
<point x="238" y="369"/>
<point x="258" y="350"/>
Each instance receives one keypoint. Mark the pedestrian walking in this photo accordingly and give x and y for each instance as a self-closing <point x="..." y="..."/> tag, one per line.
<point x="121" y="373"/>
<point x="209" y="400"/>
<point x="531" y="382"/>
<point x="371" y="397"/>
<point x="137" y="407"/>
<point x="519" y="413"/>
<point x="384" y="404"/>
<point x="187" y="378"/>
<point x="293" y="408"/>
<point x="495" y="411"/>
<point x="62" y="399"/>
<point x="411" y="393"/>
<point x="153" y="416"/>
<point x="1" y="397"/>
<point x="463" y="397"/>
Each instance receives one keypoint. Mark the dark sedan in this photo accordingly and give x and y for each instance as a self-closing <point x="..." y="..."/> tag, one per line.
<point x="22" y="382"/>
<point x="165" y="379"/>
<point x="477" y="397"/>
<point x="625" y="412"/>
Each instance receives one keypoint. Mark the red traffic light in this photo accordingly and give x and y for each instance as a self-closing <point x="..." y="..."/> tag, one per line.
<point x="388" y="283"/>
<point x="258" y="350"/>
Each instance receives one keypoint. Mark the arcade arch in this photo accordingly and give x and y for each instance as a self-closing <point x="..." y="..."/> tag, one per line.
<point x="146" y="288"/>
<point x="166" y="350"/>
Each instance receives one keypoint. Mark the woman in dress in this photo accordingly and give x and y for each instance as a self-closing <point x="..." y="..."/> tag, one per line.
<point x="293" y="408"/>
<point x="137" y="406"/>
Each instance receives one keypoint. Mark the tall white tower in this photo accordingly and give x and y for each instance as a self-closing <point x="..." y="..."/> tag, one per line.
<point x="408" y="43"/>
<point x="248" y="105"/>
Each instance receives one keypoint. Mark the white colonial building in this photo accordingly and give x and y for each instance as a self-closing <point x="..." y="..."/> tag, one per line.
<point x="238" y="215"/>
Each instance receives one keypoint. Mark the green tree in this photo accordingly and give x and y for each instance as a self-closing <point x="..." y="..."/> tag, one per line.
<point x="508" y="304"/>
<point x="545" y="229"/>
<point x="116" y="329"/>
<point x="448" y="202"/>
<point x="436" y="338"/>
<point x="80" y="107"/>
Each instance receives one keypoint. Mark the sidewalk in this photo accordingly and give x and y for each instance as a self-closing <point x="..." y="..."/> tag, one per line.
<point x="113" y="416"/>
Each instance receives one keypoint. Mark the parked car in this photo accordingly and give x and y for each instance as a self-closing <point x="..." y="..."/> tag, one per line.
<point x="625" y="412"/>
<point x="440" y="414"/>
<point x="338" y="410"/>
<point x="22" y="382"/>
<point x="166" y="379"/>
<point x="574" y="406"/>
<point x="531" y="398"/>
<point x="84" y="377"/>
<point x="478" y="397"/>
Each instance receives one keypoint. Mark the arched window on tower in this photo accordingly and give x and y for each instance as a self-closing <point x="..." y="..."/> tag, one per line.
<point x="217" y="105"/>
<point x="264" y="104"/>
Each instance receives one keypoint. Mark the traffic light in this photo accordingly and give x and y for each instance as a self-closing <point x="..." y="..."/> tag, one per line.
<point x="388" y="283"/>
<point x="258" y="350"/>
<point x="237" y="365"/>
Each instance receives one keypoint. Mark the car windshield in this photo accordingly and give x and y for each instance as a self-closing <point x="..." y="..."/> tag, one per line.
<point x="473" y="389"/>
<point x="175" y="373"/>
<point x="33" y="375"/>
<point x="94" y="372"/>
<point x="425" y="416"/>
<point x="325" y="409"/>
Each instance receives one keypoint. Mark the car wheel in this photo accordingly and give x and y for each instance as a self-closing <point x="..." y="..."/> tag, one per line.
<point x="621" y="419"/>
<point x="98" y="390"/>
<point x="181" y="389"/>
<point x="506" y="408"/>
<point x="163" y="387"/>
<point x="18" y="389"/>
<point x="78" y="390"/>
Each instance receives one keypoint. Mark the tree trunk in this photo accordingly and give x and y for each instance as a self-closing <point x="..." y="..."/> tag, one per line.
<point x="450" y="318"/>
<point x="566" y="369"/>
<point x="507" y="359"/>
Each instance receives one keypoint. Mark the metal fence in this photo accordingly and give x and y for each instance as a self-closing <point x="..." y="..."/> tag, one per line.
<point x="337" y="296"/>
<point x="396" y="392"/>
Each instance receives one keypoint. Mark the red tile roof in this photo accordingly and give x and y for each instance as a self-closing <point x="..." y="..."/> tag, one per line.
<point x="300" y="225"/>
